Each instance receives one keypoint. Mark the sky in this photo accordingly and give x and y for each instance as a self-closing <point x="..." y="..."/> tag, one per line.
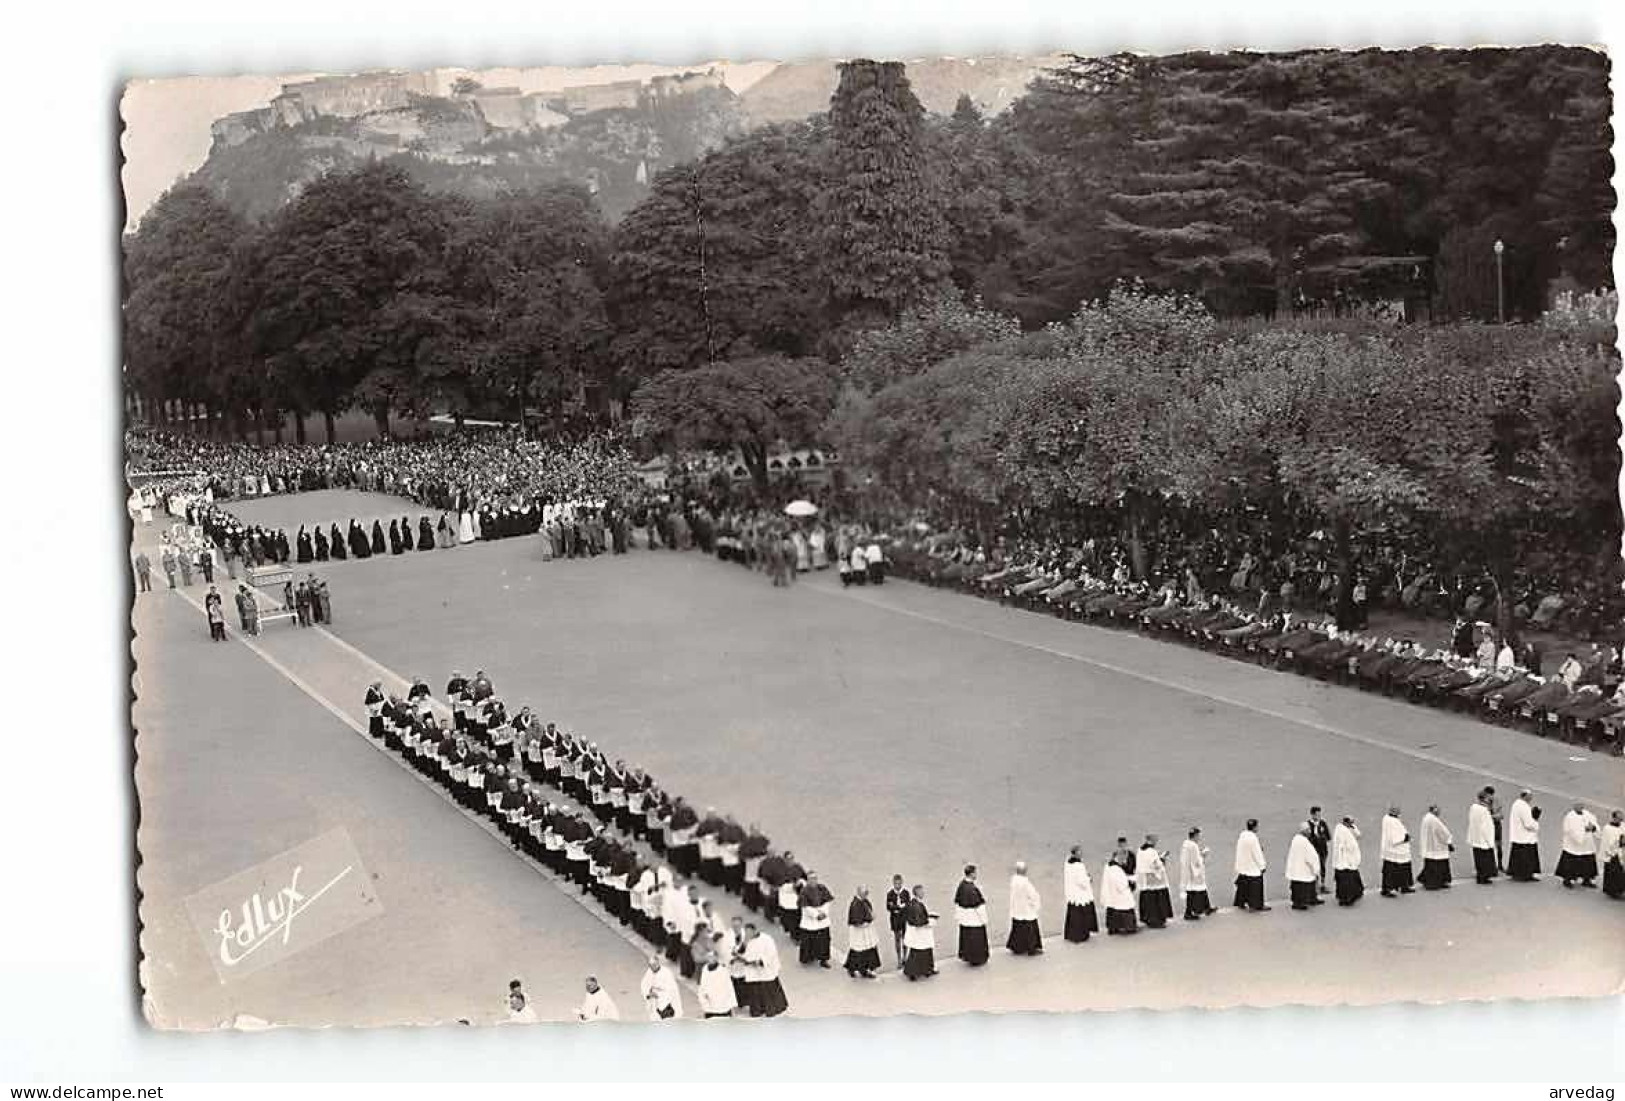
<point x="166" y="122"/>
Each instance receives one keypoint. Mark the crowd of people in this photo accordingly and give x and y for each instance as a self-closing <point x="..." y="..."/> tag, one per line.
<point x="646" y="855"/>
<point x="1477" y="670"/>
<point x="608" y="828"/>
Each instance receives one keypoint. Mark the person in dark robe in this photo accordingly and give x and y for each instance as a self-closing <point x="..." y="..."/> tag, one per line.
<point x="920" y="962"/>
<point x="394" y="537"/>
<point x="359" y="547"/>
<point x="336" y="542"/>
<point x="378" y="544"/>
<point x="302" y="542"/>
<point x="406" y="535"/>
<point x="321" y="545"/>
<point x="425" y="535"/>
<point x="375" y="710"/>
<point x="284" y="552"/>
<point x="862" y="945"/>
<point x="815" y="937"/>
<point x="896" y="905"/>
<point x="970" y="912"/>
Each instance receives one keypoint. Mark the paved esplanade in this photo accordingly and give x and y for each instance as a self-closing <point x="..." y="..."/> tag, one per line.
<point x="871" y="731"/>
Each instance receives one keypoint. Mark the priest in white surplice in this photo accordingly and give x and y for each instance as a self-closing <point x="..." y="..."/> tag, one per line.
<point x="1081" y="918"/>
<point x="597" y="1005"/>
<point x="660" y="993"/>
<point x="1024" y="939"/>
<point x="1523" y="839"/>
<point x="717" y="996"/>
<point x="764" y="993"/>
<point x="1481" y="838"/>
<point x="1250" y="865"/>
<point x="1193" y="876"/>
<point x="1303" y="869"/>
<point x="1579" y="858"/>
<point x="1437" y="845"/>
<point x="1151" y="878"/>
<point x="1347" y="882"/>
<point x="1118" y="898"/>
<point x="1611" y="851"/>
<point x="1397" y="874"/>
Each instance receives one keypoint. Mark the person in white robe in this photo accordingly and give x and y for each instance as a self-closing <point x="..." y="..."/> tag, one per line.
<point x="1481" y="839"/>
<point x="1397" y="874"/>
<point x="1118" y="898"/>
<point x="1580" y="844"/>
<point x="660" y="993"/>
<point x="1347" y="882"/>
<point x="1523" y="840"/>
<point x="1024" y="939"/>
<point x="1437" y="845"/>
<point x="465" y="527"/>
<point x="1611" y="850"/>
<point x="597" y="1005"/>
<point x="1151" y="880"/>
<point x="764" y="993"/>
<point x="1193" y="876"/>
<point x="678" y="916"/>
<point x="1250" y="867"/>
<point x="1081" y="918"/>
<point x="1303" y="869"/>
<point x="717" y="997"/>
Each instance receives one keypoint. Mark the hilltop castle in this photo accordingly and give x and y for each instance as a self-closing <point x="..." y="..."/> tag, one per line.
<point x="506" y="108"/>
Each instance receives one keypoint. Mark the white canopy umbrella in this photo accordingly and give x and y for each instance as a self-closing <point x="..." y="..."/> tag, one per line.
<point x="801" y="508"/>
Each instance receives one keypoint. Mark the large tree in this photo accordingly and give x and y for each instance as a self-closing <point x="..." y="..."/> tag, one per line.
<point x="879" y="225"/>
<point x="1251" y="178"/>
<point x="345" y="287"/>
<point x="748" y="405"/>
<point x="177" y="267"/>
<point x="716" y="262"/>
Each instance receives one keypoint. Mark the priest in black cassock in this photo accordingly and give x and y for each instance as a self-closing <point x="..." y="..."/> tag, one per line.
<point x="336" y="541"/>
<point x="321" y="545"/>
<point x="406" y="534"/>
<point x="425" y="535"/>
<point x="919" y="941"/>
<point x="304" y="552"/>
<point x="862" y="944"/>
<point x="378" y="544"/>
<point x="394" y="537"/>
<point x="359" y="547"/>
<point x="970" y="913"/>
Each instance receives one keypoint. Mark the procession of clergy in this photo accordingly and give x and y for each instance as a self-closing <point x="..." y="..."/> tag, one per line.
<point x="519" y="771"/>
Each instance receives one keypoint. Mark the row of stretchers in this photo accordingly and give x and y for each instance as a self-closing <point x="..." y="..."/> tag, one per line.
<point x="1592" y="714"/>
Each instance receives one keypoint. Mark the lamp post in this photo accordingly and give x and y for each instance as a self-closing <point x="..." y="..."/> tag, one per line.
<point x="1500" y="285"/>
